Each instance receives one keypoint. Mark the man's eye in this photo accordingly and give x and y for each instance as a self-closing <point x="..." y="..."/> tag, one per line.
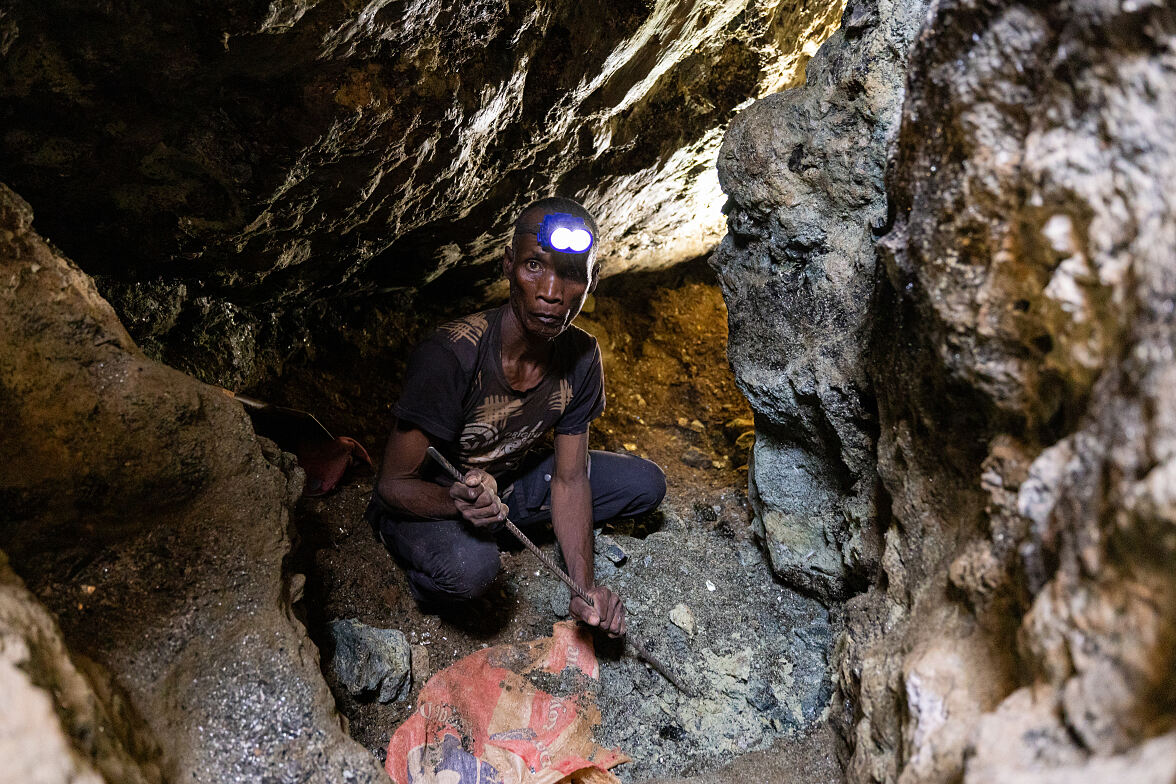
<point x="533" y="265"/>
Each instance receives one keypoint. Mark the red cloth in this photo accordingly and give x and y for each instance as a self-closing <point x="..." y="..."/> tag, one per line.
<point x="326" y="461"/>
<point x="482" y="720"/>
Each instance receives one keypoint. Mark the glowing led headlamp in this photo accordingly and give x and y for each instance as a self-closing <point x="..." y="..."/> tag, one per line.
<point x="564" y="233"/>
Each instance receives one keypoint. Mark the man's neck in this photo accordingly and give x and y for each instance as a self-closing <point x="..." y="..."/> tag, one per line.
<point x="524" y="357"/>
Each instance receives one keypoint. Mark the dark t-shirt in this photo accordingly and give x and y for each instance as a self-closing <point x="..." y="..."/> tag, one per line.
<point x="455" y="390"/>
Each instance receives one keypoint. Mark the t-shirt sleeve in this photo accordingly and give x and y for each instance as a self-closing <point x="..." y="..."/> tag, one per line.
<point x="587" y="394"/>
<point x="434" y="386"/>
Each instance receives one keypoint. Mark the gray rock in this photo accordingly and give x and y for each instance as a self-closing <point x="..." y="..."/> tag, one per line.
<point x="803" y="170"/>
<point x="759" y="656"/>
<point x="561" y="597"/>
<point x="760" y="696"/>
<point x="369" y="660"/>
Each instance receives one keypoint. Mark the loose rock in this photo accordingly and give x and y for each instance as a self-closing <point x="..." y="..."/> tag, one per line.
<point x="683" y="618"/>
<point x="368" y="660"/>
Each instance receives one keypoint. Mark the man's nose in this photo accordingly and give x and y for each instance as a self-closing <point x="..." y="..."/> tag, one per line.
<point x="551" y="288"/>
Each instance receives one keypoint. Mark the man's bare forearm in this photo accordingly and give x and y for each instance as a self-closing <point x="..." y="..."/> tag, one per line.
<point x="417" y="499"/>
<point x="571" y="515"/>
<point x="400" y="485"/>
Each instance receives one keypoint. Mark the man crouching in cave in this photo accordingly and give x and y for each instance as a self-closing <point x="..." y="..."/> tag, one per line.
<point x="484" y="390"/>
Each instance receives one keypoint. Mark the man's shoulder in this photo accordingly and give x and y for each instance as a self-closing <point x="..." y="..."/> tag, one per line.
<point x="578" y="345"/>
<point x="463" y="334"/>
<point x="577" y="338"/>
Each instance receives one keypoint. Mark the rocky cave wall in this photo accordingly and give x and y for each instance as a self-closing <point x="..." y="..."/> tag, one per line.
<point x="248" y="184"/>
<point x="1001" y="362"/>
<point x="950" y="286"/>
<point x="141" y="510"/>
<point x="803" y="170"/>
<point x="230" y="171"/>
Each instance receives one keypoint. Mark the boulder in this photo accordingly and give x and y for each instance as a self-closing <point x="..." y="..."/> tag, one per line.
<point x="803" y="171"/>
<point x="137" y="503"/>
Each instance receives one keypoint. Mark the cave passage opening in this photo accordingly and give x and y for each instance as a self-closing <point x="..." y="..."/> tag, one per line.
<point x="695" y="580"/>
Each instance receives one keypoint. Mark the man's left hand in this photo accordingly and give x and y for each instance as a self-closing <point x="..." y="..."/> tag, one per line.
<point x="607" y="612"/>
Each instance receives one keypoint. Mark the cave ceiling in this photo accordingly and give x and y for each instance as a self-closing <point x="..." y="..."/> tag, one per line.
<point x="277" y="154"/>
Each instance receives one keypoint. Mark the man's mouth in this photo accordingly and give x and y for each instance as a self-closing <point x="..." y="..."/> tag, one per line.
<point x="548" y="319"/>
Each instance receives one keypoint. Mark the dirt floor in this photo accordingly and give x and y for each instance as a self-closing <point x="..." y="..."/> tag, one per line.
<point x="757" y="650"/>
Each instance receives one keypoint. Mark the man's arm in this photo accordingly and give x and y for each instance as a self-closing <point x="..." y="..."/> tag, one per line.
<point x="402" y="489"/>
<point x="571" y="515"/>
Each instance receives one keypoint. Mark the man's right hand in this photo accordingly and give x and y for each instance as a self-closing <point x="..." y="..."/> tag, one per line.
<point x="476" y="499"/>
<point x="607" y="611"/>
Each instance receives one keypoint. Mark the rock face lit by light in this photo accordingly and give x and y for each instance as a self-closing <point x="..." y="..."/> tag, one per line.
<point x="804" y="171"/>
<point x="317" y="148"/>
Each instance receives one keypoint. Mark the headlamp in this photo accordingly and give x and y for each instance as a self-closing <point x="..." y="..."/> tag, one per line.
<point x="564" y="233"/>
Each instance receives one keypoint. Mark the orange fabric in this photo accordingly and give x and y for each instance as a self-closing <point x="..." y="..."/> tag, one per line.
<point x="482" y="720"/>
<point x="326" y="461"/>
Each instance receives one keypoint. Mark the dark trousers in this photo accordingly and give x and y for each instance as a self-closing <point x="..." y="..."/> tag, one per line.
<point x="451" y="560"/>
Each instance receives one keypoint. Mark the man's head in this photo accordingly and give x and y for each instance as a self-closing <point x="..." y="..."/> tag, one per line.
<point x="548" y="286"/>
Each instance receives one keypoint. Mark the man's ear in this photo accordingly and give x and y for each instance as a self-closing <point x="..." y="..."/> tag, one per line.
<point x="594" y="277"/>
<point x="507" y="259"/>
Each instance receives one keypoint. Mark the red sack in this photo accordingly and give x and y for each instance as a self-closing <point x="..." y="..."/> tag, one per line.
<point x="483" y="721"/>
<point x="326" y="461"/>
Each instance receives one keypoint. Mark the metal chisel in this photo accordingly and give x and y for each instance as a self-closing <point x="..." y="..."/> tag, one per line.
<point x="632" y="638"/>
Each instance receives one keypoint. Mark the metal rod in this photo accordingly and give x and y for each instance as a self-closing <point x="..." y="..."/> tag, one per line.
<point x="631" y="637"/>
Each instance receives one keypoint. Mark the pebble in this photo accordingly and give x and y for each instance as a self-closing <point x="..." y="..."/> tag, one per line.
<point x="421" y="667"/>
<point x="682" y="617"/>
<point x="761" y="697"/>
<point x="615" y="554"/>
<point x="561" y="597"/>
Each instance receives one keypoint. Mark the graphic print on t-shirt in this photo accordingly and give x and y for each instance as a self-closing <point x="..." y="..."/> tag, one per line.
<point x="470" y="328"/>
<point x="456" y="390"/>
<point x="487" y="445"/>
<point x="561" y="396"/>
<point x="504" y="425"/>
<point x="494" y="410"/>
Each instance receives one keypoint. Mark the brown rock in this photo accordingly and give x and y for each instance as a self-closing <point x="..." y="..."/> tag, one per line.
<point x="58" y="722"/>
<point x="150" y="488"/>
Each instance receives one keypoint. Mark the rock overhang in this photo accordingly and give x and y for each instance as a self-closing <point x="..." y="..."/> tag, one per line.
<point x="275" y="155"/>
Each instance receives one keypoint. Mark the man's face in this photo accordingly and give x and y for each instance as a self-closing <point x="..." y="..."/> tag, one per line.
<point x="547" y="289"/>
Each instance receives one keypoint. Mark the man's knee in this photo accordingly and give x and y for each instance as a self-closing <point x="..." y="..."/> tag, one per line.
<point x="650" y="486"/>
<point x="468" y="579"/>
